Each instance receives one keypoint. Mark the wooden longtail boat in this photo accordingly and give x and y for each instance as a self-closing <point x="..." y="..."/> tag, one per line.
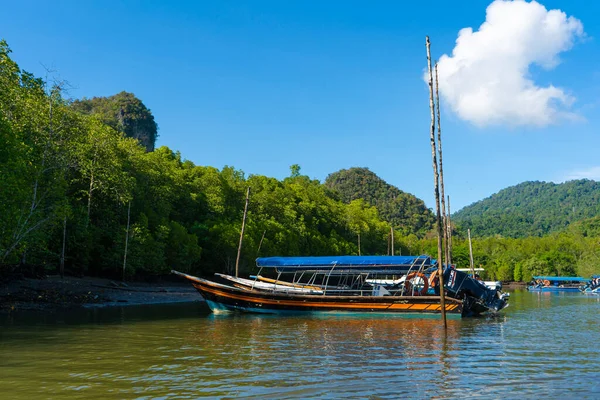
<point x="348" y="284"/>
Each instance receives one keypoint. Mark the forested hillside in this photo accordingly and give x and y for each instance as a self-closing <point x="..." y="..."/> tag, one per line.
<point x="79" y="196"/>
<point x="75" y="191"/>
<point x="532" y="209"/>
<point x="404" y="211"/>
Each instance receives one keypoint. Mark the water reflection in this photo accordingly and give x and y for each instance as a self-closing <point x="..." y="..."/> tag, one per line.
<point x="307" y="352"/>
<point x="540" y="346"/>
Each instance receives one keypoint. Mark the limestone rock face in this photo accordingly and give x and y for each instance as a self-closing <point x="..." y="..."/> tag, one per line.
<point x="125" y="113"/>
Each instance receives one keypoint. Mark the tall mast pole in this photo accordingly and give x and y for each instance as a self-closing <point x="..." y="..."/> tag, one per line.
<point x="439" y="143"/>
<point x="436" y="186"/>
<point x="237" y="260"/>
<point x="471" y="255"/>
<point x="449" y="228"/>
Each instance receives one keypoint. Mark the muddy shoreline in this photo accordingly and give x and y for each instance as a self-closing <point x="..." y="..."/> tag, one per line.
<point x="53" y="293"/>
<point x="514" y="285"/>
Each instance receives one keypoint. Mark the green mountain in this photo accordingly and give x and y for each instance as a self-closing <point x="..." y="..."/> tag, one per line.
<point x="532" y="209"/>
<point x="403" y="210"/>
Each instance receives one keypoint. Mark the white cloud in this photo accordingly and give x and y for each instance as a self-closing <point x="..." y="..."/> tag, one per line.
<point x="486" y="81"/>
<point x="592" y="173"/>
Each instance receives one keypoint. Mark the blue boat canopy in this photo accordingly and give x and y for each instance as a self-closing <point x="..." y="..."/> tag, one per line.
<point x="379" y="264"/>
<point x="562" y="278"/>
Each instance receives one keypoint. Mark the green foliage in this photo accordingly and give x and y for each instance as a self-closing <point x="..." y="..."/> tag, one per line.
<point x="147" y="248"/>
<point x="589" y="227"/>
<point x="294" y="170"/>
<point x="34" y="129"/>
<point x="405" y="212"/>
<point x="533" y="209"/>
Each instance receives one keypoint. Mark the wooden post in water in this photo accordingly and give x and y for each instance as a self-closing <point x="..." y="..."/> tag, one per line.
<point x="471" y="254"/>
<point x="237" y="259"/>
<point x="436" y="186"/>
<point x="439" y="144"/>
<point x="449" y="227"/>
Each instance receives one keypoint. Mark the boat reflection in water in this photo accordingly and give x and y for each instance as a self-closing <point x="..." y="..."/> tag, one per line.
<point x="339" y="336"/>
<point x="349" y="284"/>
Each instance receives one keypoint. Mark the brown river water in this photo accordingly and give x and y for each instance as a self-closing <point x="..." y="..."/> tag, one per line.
<point x="543" y="345"/>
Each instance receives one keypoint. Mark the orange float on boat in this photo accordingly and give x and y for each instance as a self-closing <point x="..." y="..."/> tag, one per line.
<point x="409" y="285"/>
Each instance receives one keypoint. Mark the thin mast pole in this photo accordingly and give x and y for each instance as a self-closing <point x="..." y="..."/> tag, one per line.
<point x="436" y="186"/>
<point x="449" y="228"/>
<point x="237" y="260"/>
<point x="439" y="143"/>
<point x="261" y="240"/>
<point x="392" y="230"/>
<point x="471" y="254"/>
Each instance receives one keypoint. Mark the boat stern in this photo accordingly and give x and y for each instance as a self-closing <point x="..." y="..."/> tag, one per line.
<point x="479" y="298"/>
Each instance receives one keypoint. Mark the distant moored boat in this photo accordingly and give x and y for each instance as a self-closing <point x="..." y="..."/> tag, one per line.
<point x="593" y="286"/>
<point x="557" y="284"/>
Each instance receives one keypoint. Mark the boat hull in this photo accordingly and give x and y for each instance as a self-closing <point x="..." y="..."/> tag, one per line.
<point x="554" y="289"/>
<point x="222" y="298"/>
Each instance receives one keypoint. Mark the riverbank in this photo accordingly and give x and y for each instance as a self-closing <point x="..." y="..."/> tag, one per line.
<point x="53" y="292"/>
<point x="514" y="285"/>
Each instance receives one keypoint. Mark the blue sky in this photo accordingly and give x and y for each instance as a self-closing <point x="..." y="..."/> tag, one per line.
<point x="262" y="85"/>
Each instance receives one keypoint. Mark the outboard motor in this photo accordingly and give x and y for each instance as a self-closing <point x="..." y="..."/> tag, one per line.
<point x="460" y="284"/>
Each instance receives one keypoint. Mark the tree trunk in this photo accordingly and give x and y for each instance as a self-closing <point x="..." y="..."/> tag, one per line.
<point x="126" y="239"/>
<point x="389" y="239"/>
<point x="89" y="203"/>
<point x="62" y="254"/>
